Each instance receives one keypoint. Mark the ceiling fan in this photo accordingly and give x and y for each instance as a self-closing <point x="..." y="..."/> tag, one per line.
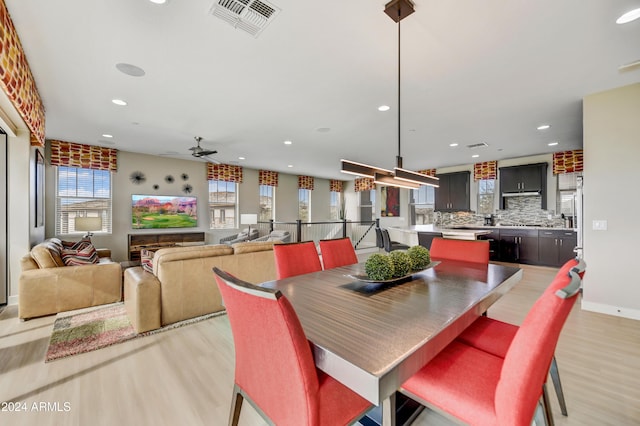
<point x="199" y="152"/>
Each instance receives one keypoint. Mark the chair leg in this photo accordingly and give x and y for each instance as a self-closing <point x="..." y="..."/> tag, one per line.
<point x="236" y="406"/>
<point x="555" y="377"/>
<point x="548" y="415"/>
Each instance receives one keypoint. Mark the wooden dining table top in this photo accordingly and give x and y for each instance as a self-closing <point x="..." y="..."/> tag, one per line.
<point x="372" y="337"/>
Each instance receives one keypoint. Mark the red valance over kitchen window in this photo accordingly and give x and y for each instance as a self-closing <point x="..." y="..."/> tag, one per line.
<point x="568" y="162"/>
<point x="428" y="172"/>
<point x="268" y="178"/>
<point x="485" y="170"/>
<point x="72" y="154"/>
<point x="224" y="172"/>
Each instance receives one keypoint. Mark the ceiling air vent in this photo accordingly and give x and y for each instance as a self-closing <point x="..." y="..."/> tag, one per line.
<point x="251" y="16"/>
<point x="477" y="145"/>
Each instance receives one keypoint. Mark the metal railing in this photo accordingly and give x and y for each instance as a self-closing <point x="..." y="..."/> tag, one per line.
<point x="362" y="234"/>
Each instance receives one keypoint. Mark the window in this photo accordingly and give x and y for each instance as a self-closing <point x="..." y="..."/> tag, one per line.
<point x="267" y="203"/>
<point x="422" y="205"/>
<point x="222" y="204"/>
<point x="304" y="205"/>
<point x="486" y="191"/>
<point x="82" y="193"/>
<point x="367" y="205"/>
<point x="335" y="203"/>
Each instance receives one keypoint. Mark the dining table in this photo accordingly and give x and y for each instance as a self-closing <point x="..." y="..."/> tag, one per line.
<point x="372" y="336"/>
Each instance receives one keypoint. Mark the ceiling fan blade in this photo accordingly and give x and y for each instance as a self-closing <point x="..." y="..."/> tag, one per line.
<point x="210" y="160"/>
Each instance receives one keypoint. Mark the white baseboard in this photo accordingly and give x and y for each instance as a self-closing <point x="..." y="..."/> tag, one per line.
<point x="611" y="310"/>
<point x="13" y="300"/>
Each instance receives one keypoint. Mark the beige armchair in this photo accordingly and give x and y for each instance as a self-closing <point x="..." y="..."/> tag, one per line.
<point x="240" y="237"/>
<point x="276" y="235"/>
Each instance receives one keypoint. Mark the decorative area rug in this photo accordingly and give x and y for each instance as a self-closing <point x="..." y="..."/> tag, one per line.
<point x="86" y="330"/>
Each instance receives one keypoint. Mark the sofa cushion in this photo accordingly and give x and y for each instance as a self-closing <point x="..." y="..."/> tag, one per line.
<point x="251" y="246"/>
<point x="87" y="255"/>
<point x="47" y="254"/>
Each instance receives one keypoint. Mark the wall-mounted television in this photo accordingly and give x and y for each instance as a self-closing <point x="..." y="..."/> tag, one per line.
<point x="163" y="211"/>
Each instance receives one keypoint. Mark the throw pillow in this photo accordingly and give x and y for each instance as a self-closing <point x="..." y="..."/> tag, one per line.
<point x="84" y="256"/>
<point x="76" y="245"/>
<point x="146" y="259"/>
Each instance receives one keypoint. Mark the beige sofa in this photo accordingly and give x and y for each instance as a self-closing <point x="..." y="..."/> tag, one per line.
<point x="47" y="286"/>
<point x="182" y="284"/>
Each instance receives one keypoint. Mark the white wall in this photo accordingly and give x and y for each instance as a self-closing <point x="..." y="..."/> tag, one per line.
<point x="612" y="153"/>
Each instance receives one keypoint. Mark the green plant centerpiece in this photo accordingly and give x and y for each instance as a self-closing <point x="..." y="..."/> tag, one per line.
<point x="401" y="263"/>
<point x="420" y="257"/>
<point x="379" y="267"/>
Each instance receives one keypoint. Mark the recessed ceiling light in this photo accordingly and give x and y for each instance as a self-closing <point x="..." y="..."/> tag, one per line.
<point x="290" y="165"/>
<point x="631" y="15"/>
<point x="553" y="143"/>
<point x="129" y="69"/>
<point x="475" y="156"/>
<point x="544" y="127"/>
<point x="158" y="1"/>
<point x="241" y="158"/>
<point x="107" y="136"/>
<point x="119" y="102"/>
<point x="384" y="108"/>
<point x="453" y="145"/>
<point x="288" y="142"/>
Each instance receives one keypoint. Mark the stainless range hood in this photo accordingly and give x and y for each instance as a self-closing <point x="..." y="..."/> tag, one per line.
<point x="521" y="194"/>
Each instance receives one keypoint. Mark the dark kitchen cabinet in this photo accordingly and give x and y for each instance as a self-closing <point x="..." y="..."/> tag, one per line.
<point x="494" y="244"/>
<point x="526" y="178"/>
<point x="453" y="192"/>
<point x="556" y="246"/>
<point x="519" y="246"/>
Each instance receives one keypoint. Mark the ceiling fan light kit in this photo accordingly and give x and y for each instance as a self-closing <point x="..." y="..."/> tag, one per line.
<point x="400" y="177"/>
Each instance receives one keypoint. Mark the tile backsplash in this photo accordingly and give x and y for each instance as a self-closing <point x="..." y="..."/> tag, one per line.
<point x="520" y="211"/>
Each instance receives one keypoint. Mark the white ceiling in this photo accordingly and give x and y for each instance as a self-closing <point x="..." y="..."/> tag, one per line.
<point x="472" y="71"/>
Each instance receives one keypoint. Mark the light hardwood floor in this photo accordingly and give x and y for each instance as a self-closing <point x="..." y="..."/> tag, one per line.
<point x="185" y="376"/>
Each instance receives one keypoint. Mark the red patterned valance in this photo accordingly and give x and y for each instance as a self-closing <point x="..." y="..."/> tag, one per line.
<point x="267" y="177"/>
<point x="485" y="170"/>
<point x="568" y="162"/>
<point x="17" y="81"/>
<point x="364" y="184"/>
<point x="224" y="172"/>
<point x="336" y="185"/>
<point x="305" y="182"/>
<point x="428" y="172"/>
<point x="71" y="154"/>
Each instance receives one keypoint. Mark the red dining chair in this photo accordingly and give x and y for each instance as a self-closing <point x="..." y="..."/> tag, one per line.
<point x="274" y="369"/>
<point x="465" y="250"/>
<point x="339" y="252"/>
<point x="495" y="337"/>
<point x="296" y="259"/>
<point x="480" y="388"/>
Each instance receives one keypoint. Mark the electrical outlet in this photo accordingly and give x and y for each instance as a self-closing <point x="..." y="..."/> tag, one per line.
<point x="599" y="225"/>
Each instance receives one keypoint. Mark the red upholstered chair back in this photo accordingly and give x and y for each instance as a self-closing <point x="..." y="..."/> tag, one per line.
<point x="466" y="250"/>
<point x="527" y="362"/>
<point x="296" y="259"/>
<point x="338" y="252"/>
<point x="274" y="362"/>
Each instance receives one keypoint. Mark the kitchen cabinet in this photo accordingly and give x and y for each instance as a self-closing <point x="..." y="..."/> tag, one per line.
<point x="555" y="247"/>
<point x="519" y="246"/>
<point x="494" y="244"/>
<point x="526" y="178"/>
<point x="453" y="192"/>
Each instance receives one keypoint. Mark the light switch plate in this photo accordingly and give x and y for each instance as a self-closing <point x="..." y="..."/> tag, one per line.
<point x="599" y="225"/>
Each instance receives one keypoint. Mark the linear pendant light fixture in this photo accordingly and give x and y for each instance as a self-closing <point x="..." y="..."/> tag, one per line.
<point x="400" y="177"/>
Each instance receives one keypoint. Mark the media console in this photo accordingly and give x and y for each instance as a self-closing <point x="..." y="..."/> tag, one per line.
<point x="138" y="242"/>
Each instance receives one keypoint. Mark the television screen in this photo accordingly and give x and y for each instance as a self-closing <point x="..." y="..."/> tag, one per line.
<point x="163" y="211"/>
